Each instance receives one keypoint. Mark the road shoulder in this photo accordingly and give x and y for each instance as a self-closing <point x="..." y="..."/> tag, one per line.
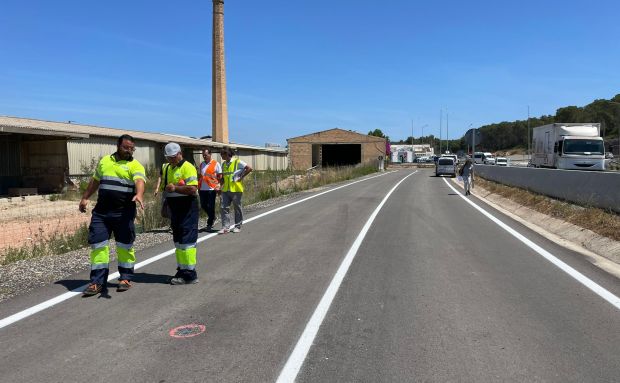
<point x="600" y="251"/>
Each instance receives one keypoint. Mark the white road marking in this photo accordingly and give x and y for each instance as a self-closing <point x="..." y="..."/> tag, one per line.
<point x="75" y="292"/>
<point x="297" y="357"/>
<point x="587" y="282"/>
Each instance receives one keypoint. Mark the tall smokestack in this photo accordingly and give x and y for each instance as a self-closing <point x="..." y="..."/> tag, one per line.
<point x="219" y="107"/>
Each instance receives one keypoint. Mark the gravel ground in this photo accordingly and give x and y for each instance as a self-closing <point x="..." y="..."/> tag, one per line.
<point x="26" y="275"/>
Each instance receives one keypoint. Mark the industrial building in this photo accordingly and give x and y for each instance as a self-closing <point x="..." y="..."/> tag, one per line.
<point x="335" y="147"/>
<point x="44" y="156"/>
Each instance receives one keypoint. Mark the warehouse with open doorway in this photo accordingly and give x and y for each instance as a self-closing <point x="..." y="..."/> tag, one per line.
<point x="335" y="147"/>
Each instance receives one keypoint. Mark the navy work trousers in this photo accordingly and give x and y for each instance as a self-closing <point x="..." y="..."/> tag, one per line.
<point x="207" y="203"/>
<point x="102" y="226"/>
<point x="184" y="221"/>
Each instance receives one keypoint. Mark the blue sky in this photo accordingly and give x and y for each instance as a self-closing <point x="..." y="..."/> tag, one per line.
<point x="295" y="67"/>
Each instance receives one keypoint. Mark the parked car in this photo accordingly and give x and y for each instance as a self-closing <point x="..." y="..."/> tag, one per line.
<point x="501" y="161"/>
<point x="445" y="165"/>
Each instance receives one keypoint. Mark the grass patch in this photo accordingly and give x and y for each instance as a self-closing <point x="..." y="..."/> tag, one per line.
<point x="600" y="221"/>
<point x="56" y="244"/>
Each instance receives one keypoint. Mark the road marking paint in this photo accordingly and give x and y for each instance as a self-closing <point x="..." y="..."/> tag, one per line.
<point x="587" y="282"/>
<point x="75" y="292"/>
<point x="297" y="357"/>
<point x="187" y="331"/>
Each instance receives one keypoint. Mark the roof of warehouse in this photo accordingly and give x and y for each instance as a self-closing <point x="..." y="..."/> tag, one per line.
<point x="41" y="127"/>
<point x="368" y="137"/>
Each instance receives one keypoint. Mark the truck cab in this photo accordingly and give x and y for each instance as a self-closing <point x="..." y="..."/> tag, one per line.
<point x="571" y="146"/>
<point x="576" y="152"/>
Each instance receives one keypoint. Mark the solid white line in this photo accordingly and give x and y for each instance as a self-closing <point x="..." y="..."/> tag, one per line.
<point x="596" y="288"/>
<point x="70" y="294"/>
<point x="297" y="357"/>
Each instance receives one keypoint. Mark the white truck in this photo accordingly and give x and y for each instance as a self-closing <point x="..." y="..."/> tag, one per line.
<point x="568" y="146"/>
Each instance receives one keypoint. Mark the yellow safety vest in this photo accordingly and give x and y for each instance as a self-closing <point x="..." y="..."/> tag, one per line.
<point x="228" y="171"/>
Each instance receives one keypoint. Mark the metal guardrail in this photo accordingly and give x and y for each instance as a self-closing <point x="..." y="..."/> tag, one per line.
<point x="589" y="188"/>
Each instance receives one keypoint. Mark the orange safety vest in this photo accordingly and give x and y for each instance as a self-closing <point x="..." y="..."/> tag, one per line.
<point x="209" y="177"/>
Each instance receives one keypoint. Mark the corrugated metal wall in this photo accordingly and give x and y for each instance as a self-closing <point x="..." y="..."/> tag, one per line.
<point x="82" y="152"/>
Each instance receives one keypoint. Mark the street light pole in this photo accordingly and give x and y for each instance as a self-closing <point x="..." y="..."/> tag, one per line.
<point x="529" y="148"/>
<point x="440" y="129"/>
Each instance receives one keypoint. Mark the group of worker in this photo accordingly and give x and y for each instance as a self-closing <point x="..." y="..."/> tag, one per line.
<point x="120" y="180"/>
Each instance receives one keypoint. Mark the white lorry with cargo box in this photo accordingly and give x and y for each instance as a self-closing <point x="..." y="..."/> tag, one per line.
<point x="576" y="146"/>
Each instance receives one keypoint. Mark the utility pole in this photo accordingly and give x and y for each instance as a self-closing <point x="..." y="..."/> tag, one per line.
<point x="447" y="132"/>
<point x="440" y="128"/>
<point x="412" y="151"/>
<point x="529" y="144"/>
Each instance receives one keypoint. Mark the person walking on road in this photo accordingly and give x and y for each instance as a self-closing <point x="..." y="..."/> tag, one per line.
<point x="467" y="172"/>
<point x="233" y="172"/>
<point x="210" y="172"/>
<point x="120" y="180"/>
<point x="181" y="181"/>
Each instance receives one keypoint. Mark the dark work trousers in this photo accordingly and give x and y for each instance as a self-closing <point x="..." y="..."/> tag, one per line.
<point x="207" y="203"/>
<point x="184" y="221"/>
<point x="102" y="225"/>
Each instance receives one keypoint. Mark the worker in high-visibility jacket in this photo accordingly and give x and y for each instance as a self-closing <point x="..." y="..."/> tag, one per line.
<point x="210" y="173"/>
<point x="120" y="180"/>
<point x="181" y="182"/>
<point x="233" y="172"/>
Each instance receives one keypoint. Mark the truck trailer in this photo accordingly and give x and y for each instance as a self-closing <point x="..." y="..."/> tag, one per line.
<point x="568" y="146"/>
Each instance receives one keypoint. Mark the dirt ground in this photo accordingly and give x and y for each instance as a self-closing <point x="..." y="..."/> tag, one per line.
<point x="26" y="221"/>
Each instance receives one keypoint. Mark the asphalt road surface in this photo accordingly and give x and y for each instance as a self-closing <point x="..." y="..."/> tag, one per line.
<point x="353" y="285"/>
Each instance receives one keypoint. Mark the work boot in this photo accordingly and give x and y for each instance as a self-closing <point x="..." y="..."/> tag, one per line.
<point x="181" y="281"/>
<point x="93" y="289"/>
<point x="124" y="285"/>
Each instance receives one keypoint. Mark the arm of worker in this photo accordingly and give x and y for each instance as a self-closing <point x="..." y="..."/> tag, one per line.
<point x="185" y="189"/>
<point x="139" y="197"/>
<point x="92" y="187"/>
<point x="157" y="186"/>
<point x="247" y="170"/>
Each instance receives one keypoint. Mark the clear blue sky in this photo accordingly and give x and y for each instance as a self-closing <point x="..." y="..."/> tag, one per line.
<point x="299" y="66"/>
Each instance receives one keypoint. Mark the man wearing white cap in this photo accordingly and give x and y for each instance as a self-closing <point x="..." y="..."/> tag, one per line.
<point x="180" y="184"/>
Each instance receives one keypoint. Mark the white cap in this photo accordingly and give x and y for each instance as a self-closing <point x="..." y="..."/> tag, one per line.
<point x="172" y="149"/>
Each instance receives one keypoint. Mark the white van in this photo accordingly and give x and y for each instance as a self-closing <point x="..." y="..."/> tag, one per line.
<point x="445" y="165"/>
<point x="478" y="157"/>
<point x="488" y="158"/>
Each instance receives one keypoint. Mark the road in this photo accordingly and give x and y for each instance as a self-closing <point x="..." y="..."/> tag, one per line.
<point x="424" y="287"/>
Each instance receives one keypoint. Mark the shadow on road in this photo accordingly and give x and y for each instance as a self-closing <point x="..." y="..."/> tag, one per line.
<point x="151" y="278"/>
<point x="72" y="284"/>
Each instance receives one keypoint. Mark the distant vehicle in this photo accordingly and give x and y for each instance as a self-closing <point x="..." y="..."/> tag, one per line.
<point x="453" y="156"/>
<point x="478" y="157"/>
<point x="569" y="146"/>
<point x="488" y="158"/>
<point x="445" y="165"/>
<point x="609" y="155"/>
<point x="501" y="161"/>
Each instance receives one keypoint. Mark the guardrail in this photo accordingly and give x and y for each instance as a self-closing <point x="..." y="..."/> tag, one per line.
<point x="590" y="188"/>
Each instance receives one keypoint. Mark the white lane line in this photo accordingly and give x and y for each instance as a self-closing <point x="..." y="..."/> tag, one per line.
<point x="297" y="357"/>
<point x="587" y="282"/>
<point x="70" y="294"/>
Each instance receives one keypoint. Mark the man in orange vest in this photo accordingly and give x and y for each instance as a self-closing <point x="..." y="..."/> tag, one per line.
<point x="210" y="174"/>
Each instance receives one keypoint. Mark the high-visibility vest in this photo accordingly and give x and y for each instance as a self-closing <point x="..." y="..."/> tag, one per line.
<point x="117" y="182"/>
<point x="183" y="171"/>
<point x="208" y="175"/>
<point x="228" y="171"/>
